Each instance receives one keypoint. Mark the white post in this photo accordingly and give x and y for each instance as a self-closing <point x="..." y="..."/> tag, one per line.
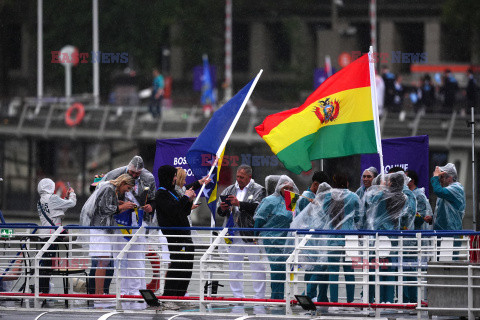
<point x="68" y="83"/>
<point x="373" y="24"/>
<point x="39" y="54"/>
<point x="96" y="65"/>
<point x="474" y="198"/>
<point x="376" y="119"/>
<point x="228" y="50"/>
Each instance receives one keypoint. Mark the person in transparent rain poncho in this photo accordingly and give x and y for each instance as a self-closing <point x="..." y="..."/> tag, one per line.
<point x="385" y="208"/>
<point x="341" y="207"/>
<point x="272" y="213"/>
<point x="424" y="209"/>
<point x="367" y="179"/>
<point x="271" y="183"/>
<point x="450" y="207"/>
<point x="408" y="258"/>
<point x="411" y="209"/>
<point x="107" y="201"/>
<point x="312" y="217"/>
<point x="143" y="195"/>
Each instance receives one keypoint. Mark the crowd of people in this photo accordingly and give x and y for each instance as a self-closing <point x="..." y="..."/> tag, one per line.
<point x="129" y="196"/>
<point x="440" y="94"/>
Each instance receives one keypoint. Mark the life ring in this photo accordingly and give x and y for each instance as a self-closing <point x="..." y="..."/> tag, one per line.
<point x="154" y="259"/>
<point x="62" y="187"/>
<point x="80" y="113"/>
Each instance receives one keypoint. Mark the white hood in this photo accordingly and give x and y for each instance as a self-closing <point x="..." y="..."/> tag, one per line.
<point x="46" y="186"/>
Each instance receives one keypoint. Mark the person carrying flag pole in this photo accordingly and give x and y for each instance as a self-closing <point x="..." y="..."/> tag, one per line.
<point x="239" y="202"/>
<point x="211" y="143"/>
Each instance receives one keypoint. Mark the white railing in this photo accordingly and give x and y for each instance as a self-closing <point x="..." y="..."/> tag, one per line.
<point x="379" y="265"/>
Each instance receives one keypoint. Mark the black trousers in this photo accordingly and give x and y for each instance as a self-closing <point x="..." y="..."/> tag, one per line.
<point x="46" y="265"/>
<point x="180" y="249"/>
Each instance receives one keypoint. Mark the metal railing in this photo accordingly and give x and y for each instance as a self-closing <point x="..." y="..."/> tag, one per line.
<point x="391" y="265"/>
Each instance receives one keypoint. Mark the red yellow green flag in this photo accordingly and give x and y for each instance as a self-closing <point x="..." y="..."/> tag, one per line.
<point x="291" y="199"/>
<point x="336" y="120"/>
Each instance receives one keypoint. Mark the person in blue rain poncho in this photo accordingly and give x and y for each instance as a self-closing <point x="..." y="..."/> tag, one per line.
<point x="424" y="209"/>
<point x="409" y="221"/>
<point x="411" y="209"/>
<point x="272" y="213"/>
<point x="367" y="179"/>
<point x="385" y="209"/>
<point x="312" y="261"/>
<point x="450" y="207"/>
<point x="341" y="207"/>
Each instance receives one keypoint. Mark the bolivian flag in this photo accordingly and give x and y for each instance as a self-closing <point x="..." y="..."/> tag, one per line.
<point x="291" y="199"/>
<point x="336" y="120"/>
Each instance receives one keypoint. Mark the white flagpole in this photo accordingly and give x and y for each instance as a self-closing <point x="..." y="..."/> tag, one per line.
<point x="234" y="123"/>
<point x="229" y="132"/>
<point x="376" y="120"/>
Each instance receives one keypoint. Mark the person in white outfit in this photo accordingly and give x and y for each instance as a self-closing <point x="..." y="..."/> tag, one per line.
<point x="143" y="196"/>
<point x="239" y="207"/>
<point x="51" y="210"/>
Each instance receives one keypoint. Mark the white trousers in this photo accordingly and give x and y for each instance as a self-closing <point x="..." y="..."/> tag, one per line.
<point x="236" y="255"/>
<point x="132" y="272"/>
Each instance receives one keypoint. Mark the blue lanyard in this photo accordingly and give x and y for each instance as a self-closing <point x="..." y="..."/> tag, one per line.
<point x="162" y="188"/>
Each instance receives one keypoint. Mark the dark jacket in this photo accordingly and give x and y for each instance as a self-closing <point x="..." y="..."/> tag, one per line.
<point x="172" y="209"/>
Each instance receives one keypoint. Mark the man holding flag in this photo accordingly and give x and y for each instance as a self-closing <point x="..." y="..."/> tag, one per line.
<point x="238" y="205"/>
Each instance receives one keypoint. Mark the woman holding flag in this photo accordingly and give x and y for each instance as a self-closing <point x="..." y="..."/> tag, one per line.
<point x="272" y="213"/>
<point x="172" y="211"/>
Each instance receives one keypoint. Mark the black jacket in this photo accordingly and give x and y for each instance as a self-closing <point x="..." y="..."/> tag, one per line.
<point x="172" y="209"/>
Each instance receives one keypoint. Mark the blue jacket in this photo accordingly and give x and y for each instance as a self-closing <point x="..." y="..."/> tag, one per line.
<point x="450" y="207"/>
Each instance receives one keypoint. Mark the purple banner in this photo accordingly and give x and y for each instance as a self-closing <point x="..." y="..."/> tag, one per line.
<point x="173" y="152"/>
<point x="198" y="74"/>
<point x="410" y="153"/>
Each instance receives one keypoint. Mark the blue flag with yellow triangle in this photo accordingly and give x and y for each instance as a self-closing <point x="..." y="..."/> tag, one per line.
<point x="203" y="152"/>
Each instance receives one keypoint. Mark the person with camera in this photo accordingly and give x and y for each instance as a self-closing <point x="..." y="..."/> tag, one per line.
<point x="238" y="204"/>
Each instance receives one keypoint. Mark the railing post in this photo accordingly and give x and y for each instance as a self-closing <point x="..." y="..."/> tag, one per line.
<point x="377" y="274"/>
<point x="38" y="257"/>
<point x="366" y="268"/>
<point x="401" y="287"/>
<point x="291" y="265"/>
<point x="203" y="268"/>
<point x="419" y="273"/>
<point x="471" y="315"/>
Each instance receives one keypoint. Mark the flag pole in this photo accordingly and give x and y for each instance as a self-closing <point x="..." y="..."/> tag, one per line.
<point x="229" y="132"/>
<point x="376" y="120"/>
